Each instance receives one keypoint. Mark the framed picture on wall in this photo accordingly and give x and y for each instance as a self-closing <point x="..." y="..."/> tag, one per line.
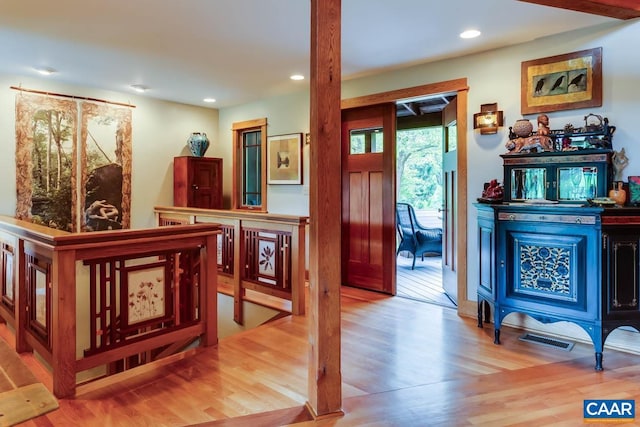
<point x="562" y="82"/>
<point x="284" y="159"/>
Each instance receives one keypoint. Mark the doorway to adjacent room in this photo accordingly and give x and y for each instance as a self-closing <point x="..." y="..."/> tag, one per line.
<point x="419" y="182"/>
<point x="380" y="229"/>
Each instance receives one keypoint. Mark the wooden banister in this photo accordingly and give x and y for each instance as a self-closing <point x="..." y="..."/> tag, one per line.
<point x="41" y="305"/>
<point x="242" y="233"/>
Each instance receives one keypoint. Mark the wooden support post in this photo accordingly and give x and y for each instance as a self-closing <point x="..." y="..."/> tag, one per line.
<point x="63" y="328"/>
<point x="325" y="381"/>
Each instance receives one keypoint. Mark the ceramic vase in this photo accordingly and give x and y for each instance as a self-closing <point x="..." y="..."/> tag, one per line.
<point x="522" y="128"/>
<point x="198" y="143"/>
<point x="618" y="194"/>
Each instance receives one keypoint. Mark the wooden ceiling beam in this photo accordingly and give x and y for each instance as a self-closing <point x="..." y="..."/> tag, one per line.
<point x="619" y="9"/>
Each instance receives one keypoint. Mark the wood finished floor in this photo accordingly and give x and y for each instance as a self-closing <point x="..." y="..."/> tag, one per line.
<point x="424" y="282"/>
<point x="404" y="363"/>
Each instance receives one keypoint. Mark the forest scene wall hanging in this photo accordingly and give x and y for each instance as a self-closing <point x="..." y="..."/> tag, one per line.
<point x="105" y="164"/>
<point x="70" y="183"/>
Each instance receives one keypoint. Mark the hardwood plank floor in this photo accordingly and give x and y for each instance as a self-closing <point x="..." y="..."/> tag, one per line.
<point x="424" y="282"/>
<point x="404" y="363"/>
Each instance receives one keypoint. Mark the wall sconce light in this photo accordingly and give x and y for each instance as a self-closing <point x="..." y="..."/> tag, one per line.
<point x="488" y="120"/>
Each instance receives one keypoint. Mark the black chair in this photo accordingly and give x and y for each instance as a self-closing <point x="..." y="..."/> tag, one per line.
<point x="414" y="237"/>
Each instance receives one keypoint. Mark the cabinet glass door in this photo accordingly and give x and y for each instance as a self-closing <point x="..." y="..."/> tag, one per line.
<point x="528" y="183"/>
<point x="577" y="183"/>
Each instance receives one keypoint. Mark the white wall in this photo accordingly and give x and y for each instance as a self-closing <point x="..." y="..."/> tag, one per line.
<point x="160" y="132"/>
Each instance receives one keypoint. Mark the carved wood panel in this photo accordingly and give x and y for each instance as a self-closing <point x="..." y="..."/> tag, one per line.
<point x="134" y="298"/>
<point x="267" y="258"/>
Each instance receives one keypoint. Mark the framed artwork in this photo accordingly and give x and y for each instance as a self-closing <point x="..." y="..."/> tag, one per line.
<point x="147" y="295"/>
<point x="284" y="159"/>
<point x="562" y="82"/>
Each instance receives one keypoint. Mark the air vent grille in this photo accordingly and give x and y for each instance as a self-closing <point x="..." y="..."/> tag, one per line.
<point x="547" y="341"/>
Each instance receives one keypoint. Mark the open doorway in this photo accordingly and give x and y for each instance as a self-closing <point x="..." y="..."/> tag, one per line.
<point x="455" y="183"/>
<point x="420" y="197"/>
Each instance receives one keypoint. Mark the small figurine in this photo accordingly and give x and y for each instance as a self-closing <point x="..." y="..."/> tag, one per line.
<point x="543" y="125"/>
<point x="543" y="135"/>
<point x="619" y="161"/>
<point x="540" y="141"/>
<point x="493" y="191"/>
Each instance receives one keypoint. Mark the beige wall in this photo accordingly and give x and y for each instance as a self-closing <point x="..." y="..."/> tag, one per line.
<point x="285" y="114"/>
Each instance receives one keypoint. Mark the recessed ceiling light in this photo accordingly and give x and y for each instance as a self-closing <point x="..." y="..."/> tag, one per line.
<point x="297" y="77"/>
<point x="469" y="34"/>
<point x="139" y="88"/>
<point x="45" y="71"/>
<point x="209" y="100"/>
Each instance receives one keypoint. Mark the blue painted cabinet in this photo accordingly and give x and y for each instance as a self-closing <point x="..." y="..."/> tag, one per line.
<point x="559" y="263"/>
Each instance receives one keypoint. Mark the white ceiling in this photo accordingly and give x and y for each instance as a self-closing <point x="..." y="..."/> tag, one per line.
<point x="242" y="50"/>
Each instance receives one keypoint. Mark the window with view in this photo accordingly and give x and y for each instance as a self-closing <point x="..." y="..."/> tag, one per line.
<point x="365" y="141"/>
<point x="250" y="165"/>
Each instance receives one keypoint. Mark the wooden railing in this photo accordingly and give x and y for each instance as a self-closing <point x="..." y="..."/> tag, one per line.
<point x="257" y="251"/>
<point x="101" y="300"/>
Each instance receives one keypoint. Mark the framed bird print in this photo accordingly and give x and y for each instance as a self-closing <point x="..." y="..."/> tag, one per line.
<point x="284" y="159"/>
<point x="562" y="82"/>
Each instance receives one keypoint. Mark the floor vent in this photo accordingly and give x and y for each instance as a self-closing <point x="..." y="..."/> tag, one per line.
<point x="549" y="342"/>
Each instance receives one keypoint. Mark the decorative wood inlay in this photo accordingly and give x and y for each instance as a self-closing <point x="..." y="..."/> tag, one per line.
<point x="266" y="260"/>
<point x="546" y="270"/>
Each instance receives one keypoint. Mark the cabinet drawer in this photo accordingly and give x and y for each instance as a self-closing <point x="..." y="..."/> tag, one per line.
<point x="545" y="217"/>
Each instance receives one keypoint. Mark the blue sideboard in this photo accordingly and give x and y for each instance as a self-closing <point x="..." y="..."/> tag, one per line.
<point x="559" y="263"/>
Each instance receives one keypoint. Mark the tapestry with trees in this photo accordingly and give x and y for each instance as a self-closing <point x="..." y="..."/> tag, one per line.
<point x="65" y="185"/>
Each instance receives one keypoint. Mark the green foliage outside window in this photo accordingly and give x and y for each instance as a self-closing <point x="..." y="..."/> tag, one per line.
<point x="419" y="167"/>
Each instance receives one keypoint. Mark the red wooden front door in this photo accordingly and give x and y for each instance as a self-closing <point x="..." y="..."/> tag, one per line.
<point x="368" y="198"/>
